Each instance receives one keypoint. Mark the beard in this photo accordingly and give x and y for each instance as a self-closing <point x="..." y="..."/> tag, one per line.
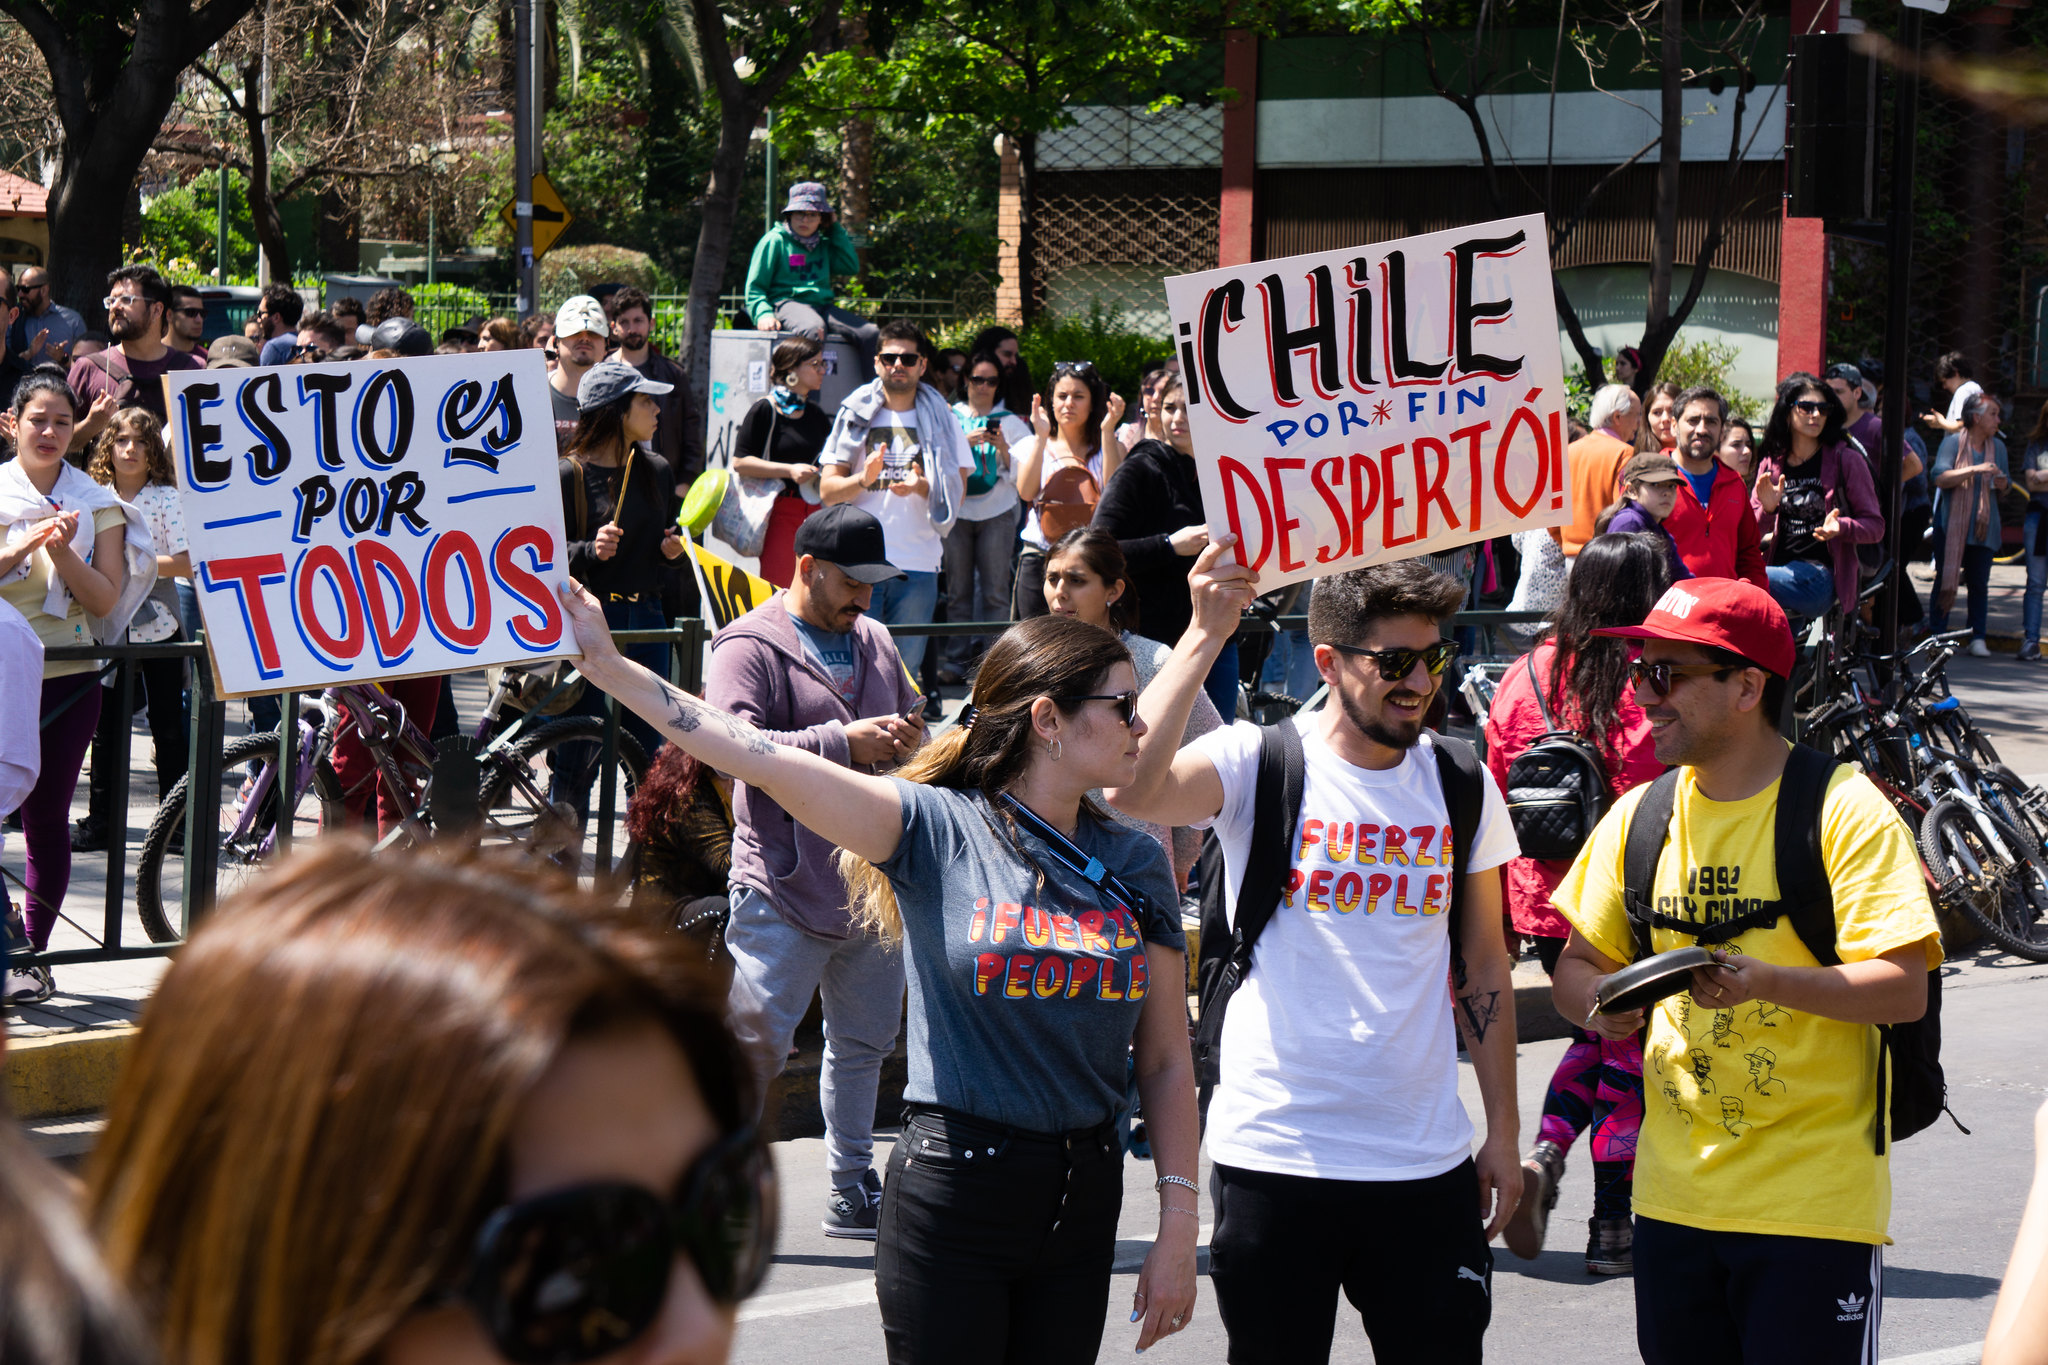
<point x="632" y="341"/>
<point x="128" y="328"/>
<point x="1381" y="730"/>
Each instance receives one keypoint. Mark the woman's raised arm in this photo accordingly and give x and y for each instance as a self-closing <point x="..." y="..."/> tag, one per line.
<point x="855" y="811"/>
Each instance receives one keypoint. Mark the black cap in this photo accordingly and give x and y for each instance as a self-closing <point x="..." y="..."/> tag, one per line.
<point x="849" y="539"/>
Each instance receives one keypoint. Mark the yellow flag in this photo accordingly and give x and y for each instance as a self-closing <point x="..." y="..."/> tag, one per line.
<point x="729" y="592"/>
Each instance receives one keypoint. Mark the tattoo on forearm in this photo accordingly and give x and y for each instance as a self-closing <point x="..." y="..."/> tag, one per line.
<point x="1477" y="1013"/>
<point x="687" y="714"/>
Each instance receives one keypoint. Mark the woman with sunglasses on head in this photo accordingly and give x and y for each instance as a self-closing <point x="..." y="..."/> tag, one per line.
<point x="484" y="1119"/>
<point x="1043" y="952"/>
<point x="1073" y="426"/>
<point x="980" y="547"/>
<point x="1085" y="578"/>
<point x="1814" y="501"/>
<point x="780" y="438"/>
<point x="1580" y="681"/>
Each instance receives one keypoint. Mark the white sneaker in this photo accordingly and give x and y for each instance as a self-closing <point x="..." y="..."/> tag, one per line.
<point x="28" y="985"/>
<point x="1979" y="650"/>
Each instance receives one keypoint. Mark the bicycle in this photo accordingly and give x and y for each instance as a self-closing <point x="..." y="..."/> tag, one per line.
<point x="512" y="806"/>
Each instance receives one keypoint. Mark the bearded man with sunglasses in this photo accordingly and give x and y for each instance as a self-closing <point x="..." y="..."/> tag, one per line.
<point x="1342" y="1153"/>
<point x="1758" y="1226"/>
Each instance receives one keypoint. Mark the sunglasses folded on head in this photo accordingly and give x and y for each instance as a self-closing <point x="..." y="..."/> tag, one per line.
<point x="1396" y="664"/>
<point x="578" y="1273"/>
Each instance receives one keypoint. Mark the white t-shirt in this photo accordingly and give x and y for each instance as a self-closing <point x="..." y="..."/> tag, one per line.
<point x="1960" y="397"/>
<point x="912" y="541"/>
<point x="21" y="682"/>
<point x="1340" y="1057"/>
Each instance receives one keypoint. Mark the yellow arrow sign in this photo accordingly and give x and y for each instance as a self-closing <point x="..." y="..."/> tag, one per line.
<point x="551" y="217"/>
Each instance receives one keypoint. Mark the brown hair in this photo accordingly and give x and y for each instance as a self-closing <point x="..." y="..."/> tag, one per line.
<point x="1047" y="656"/>
<point x="1344" y="606"/>
<point x="503" y="331"/>
<point x="790" y="354"/>
<point x="312" y="1124"/>
<point x="58" y="1304"/>
<point x="140" y="423"/>
<point x="1102" y="556"/>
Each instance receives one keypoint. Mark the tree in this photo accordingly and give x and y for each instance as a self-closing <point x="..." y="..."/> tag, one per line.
<point x="777" y="38"/>
<point x="114" y="70"/>
<point x="1728" y="53"/>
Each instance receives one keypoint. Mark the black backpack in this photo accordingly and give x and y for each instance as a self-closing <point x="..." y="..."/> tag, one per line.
<point x="1557" y="787"/>
<point x="1226" y="952"/>
<point x="1911" y="1051"/>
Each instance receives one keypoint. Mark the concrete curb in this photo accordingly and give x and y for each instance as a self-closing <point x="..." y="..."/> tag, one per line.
<point x="65" y="1073"/>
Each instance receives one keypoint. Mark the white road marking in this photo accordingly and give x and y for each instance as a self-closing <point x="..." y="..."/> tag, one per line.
<point x="1968" y="1354"/>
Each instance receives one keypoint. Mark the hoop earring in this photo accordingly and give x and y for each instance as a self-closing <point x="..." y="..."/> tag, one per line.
<point x="1054" y="747"/>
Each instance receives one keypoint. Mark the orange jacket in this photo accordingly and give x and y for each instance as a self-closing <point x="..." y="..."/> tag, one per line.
<point x="1595" y="468"/>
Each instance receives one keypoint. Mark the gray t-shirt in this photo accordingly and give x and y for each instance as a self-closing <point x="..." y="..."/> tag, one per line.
<point x="833" y="654"/>
<point x="1022" y="1004"/>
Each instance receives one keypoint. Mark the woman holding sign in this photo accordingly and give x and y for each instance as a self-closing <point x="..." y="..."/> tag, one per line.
<point x="63" y="566"/>
<point x="1035" y="930"/>
<point x="619" y="507"/>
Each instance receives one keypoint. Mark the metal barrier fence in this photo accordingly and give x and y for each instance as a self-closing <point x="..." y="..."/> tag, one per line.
<point x="208" y="722"/>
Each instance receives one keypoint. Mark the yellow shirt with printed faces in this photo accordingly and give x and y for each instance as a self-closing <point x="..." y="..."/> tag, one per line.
<point x="1760" y="1118"/>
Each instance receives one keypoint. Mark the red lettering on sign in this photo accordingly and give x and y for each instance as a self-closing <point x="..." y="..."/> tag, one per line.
<point x="375" y="562"/>
<point x="246" y="577"/>
<point x="1233" y="473"/>
<point x="1282" y="523"/>
<point x="332" y="650"/>
<point x="1388" y="502"/>
<point x="1328" y="553"/>
<point x="1430" y="489"/>
<point x="542" y="628"/>
<point x="457" y="550"/>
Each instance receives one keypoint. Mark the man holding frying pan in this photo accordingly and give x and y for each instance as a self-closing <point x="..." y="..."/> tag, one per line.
<point x="1761" y="1207"/>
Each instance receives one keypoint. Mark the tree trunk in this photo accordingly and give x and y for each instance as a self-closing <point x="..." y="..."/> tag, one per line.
<point x="856" y="147"/>
<point x="340" y="231"/>
<point x="714" y="241"/>
<point x="262" y="208"/>
<point x="1658" y="325"/>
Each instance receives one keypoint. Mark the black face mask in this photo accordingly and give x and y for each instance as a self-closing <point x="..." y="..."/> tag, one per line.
<point x="579" y="1273"/>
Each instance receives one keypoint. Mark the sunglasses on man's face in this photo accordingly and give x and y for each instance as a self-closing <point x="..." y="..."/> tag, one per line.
<point x="891" y="359"/>
<point x="1659" y="677"/>
<point x="190" y="312"/>
<point x="1396" y="664"/>
<point x="579" y="1273"/>
<point x="1126" y="703"/>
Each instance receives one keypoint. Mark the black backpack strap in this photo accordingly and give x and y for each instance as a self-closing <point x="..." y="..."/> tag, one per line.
<point x="1803" y="890"/>
<point x="1649" y="829"/>
<point x="1226" y="950"/>
<point x="1457" y="771"/>
<point x="1536" y="686"/>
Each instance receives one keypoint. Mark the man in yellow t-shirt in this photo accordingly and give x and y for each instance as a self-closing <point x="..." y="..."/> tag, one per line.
<point x="1761" y="1197"/>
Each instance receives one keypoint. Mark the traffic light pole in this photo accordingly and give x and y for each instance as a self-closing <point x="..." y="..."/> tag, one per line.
<point x="523" y="150"/>
<point x="1898" y="394"/>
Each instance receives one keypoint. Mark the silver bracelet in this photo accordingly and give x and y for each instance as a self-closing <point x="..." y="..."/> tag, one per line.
<point x="1190" y="1186"/>
<point x="1175" y="1208"/>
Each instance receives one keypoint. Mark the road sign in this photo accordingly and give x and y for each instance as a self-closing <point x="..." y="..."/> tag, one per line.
<point x="551" y="217"/>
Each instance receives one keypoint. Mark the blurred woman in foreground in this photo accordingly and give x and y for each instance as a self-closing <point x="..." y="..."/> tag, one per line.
<point x="426" y="1108"/>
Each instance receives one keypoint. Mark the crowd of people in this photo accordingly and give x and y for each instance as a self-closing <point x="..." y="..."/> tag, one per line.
<point x="490" y="1117"/>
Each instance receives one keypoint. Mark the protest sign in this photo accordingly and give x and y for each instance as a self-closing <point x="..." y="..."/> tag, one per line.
<point x="1354" y="407"/>
<point x="381" y="519"/>
<point x="728" y="591"/>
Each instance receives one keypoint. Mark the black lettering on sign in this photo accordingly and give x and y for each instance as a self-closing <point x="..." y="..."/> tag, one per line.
<point x="466" y="410"/>
<point x="201" y="470"/>
<point x="403" y="494"/>
<point x="359" y="505"/>
<point x="1467" y="313"/>
<point x="325" y="390"/>
<point x="272" y="454"/>
<point x="316" y="500"/>
<point x="378" y="452"/>
<point x="1394" y="279"/>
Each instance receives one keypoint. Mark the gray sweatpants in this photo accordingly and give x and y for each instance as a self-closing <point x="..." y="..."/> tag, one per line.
<point x="809" y="320"/>
<point x="776" y="967"/>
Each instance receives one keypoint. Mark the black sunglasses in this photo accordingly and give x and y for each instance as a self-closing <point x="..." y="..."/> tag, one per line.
<point x="317" y="352"/>
<point x="190" y="312"/>
<point x="1126" y="702"/>
<point x="982" y="379"/>
<point x="576" y="1274"/>
<point x="894" y="358"/>
<point x="1813" y="406"/>
<point x="1396" y="664"/>
<point x="1659" y="676"/>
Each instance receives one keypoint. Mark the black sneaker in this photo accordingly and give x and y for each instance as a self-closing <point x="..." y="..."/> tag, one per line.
<point x="88" y="836"/>
<point x="854" y="1210"/>
<point x="2030" y="652"/>
<point x="1610" y="1246"/>
<point x="1541" y="1171"/>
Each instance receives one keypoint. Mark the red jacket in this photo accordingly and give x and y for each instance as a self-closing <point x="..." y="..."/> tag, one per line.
<point x="1719" y="540"/>
<point x="1512" y="725"/>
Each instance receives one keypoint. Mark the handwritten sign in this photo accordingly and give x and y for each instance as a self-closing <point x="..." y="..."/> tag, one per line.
<point x="380" y="519"/>
<point x="727" y="591"/>
<point x="1355" y="407"/>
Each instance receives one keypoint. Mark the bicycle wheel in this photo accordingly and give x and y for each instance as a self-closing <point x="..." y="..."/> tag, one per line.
<point x="160" y="875"/>
<point x="2005" y="893"/>
<point x="514" y="793"/>
<point x="1957" y="733"/>
<point x="2023" y="807"/>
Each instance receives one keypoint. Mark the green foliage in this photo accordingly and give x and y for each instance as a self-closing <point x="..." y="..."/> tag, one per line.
<point x="180" y="227"/>
<point x="1687" y="363"/>
<point x="574" y="269"/>
<point x="1118" y="352"/>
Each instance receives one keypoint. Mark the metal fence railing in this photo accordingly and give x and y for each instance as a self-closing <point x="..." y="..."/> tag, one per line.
<point x="209" y="732"/>
<point x="670" y="310"/>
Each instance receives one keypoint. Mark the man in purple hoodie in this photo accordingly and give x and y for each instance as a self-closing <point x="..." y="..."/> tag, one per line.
<point x="812" y="670"/>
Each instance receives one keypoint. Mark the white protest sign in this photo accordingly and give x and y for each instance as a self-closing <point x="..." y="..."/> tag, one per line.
<point x="1355" y="407"/>
<point x="381" y="519"/>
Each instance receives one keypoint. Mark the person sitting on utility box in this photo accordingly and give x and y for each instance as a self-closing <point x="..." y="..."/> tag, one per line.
<point x="789" y="279"/>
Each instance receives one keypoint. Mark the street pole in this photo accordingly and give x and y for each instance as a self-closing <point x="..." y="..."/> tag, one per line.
<point x="1898" y="397"/>
<point x="522" y="156"/>
<point x="768" y="196"/>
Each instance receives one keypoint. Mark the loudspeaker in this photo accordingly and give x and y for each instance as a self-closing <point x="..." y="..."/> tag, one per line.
<point x="1832" y="121"/>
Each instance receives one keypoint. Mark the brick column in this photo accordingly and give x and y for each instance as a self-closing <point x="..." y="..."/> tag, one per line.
<point x="1803" y="250"/>
<point x="1236" y="242"/>
<point x="1010" y="235"/>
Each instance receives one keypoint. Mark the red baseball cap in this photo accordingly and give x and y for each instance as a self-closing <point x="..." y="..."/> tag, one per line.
<point x="1727" y="613"/>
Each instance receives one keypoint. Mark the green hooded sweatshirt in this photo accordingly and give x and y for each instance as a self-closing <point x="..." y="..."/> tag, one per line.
<point x="781" y="269"/>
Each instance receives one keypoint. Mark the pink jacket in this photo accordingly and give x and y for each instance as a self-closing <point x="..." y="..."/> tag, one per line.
<point x="1512" y="725"/>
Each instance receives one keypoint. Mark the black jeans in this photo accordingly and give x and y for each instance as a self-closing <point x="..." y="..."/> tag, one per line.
<point x="996" y="1245"/>
<point x="1410" y="1255"/>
